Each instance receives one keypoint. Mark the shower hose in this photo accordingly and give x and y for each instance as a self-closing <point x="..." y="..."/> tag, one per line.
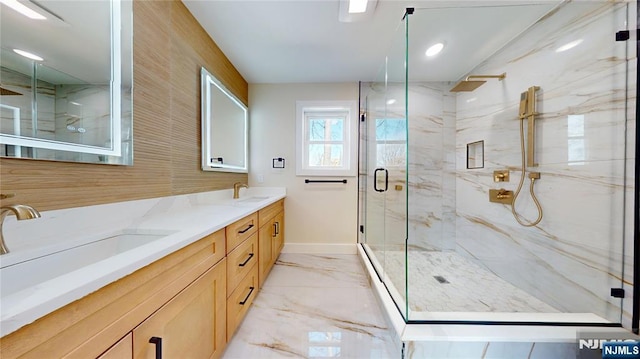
<point x="517" y="216"/>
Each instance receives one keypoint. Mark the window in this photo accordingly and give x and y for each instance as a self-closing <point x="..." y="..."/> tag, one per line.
<point x="326" y="138"/>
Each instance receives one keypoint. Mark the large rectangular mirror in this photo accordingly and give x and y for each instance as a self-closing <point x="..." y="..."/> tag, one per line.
<point x="224" y="127"/>
<point x="66" y="80"/>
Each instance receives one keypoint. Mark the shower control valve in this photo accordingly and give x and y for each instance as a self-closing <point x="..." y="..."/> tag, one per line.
<point x="500" y="196"/>
<point x="501" y="176"/>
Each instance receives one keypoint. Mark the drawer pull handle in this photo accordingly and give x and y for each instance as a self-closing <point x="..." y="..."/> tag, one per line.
<point x="275" y="230"/>
<point x="277" y="227"/>
<point x="246" y="260"/>
<point x="158" y="343"/>
<point x="247" y="297"/>
<point x="246" y="229"/>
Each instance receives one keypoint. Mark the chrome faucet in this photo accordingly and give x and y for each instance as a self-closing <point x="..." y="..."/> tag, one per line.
<point x="22" y="212"/>
<point x="236" y="189"/>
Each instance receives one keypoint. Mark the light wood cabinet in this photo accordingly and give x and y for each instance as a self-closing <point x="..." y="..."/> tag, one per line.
<point x="270" y="238"/>
<point x="192" y="300"/>
<point x="88" y="327"/>
<point x="191" y="325"/>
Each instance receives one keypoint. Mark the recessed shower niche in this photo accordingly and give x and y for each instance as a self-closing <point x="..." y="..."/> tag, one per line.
<point x="475" y="155"/>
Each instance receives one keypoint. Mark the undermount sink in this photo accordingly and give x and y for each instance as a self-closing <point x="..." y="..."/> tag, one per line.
<point x="43" y="267"/>
<point x="253" y="199"/>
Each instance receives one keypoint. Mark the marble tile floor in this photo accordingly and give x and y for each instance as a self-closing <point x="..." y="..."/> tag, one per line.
<point x="315" y="306"/>
<point x="490" y="292"/>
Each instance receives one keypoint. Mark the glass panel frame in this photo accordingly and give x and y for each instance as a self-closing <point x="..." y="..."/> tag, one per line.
<point x="73" y="142"/>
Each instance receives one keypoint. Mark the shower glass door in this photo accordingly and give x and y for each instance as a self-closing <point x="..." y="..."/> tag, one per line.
<point x="383" y="171"/>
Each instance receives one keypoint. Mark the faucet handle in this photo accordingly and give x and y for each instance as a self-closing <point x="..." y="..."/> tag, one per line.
<point x="7" y="195"/>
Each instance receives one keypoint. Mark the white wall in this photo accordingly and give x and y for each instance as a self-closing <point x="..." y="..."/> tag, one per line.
<point x="320" y="218"/>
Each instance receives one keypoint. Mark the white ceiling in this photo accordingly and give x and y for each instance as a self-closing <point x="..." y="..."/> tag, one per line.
<point x="302" y="41"/>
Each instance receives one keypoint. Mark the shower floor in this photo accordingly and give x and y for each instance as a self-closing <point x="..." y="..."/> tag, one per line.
<point x="467" y="286"/>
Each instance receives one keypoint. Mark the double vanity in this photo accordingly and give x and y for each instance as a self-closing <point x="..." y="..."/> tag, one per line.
<point x="164" y="276"/>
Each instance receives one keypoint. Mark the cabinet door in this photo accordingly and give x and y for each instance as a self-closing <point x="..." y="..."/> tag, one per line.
<point x="278" y="239"/>
<point x="123" y="349"/>
<point x="265" y="249"/>
<point x="191" y="325"/>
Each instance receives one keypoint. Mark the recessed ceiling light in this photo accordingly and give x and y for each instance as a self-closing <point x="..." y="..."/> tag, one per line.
<point x="357" y="6"/>
<point x="434" y="49"/>
<point x="569" y="45"/>
<point x="28" y="55"/>
<point x="356" y="10"/>
<point x="24" y="10"/>
<point x="391" y="101"/>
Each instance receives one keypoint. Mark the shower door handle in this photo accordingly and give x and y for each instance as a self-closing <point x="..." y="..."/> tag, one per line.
<point x="386" y="180"/>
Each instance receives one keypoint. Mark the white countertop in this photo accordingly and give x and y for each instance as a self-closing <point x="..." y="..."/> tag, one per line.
<point x="181" y="219"/>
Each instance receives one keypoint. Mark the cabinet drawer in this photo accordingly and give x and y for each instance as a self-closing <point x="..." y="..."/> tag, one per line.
<point x="270" y="211"/>
<point x="240" y="301"/>
<point x="218" y="243"/>
<point x="240" y="261"/>
<point x="240" y="230"/>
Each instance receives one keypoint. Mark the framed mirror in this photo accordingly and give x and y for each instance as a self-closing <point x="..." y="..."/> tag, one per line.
<point x="224" y="127"/>
<point x="66" y="96"/>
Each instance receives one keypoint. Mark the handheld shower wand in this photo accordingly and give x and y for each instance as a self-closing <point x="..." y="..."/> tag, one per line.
<point x="527" y="112"/>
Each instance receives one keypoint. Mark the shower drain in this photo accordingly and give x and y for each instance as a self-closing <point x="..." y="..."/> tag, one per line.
<point x="440" y="279"/>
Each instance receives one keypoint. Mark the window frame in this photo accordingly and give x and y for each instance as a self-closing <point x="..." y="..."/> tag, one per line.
<point x="350" y="136"/>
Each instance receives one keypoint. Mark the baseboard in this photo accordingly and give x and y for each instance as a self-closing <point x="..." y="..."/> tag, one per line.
<point x="320" y="248"/>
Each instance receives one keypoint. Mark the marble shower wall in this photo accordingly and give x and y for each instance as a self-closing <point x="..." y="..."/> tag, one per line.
<point x="575" y="255"/>
<point x="432" y="197"/>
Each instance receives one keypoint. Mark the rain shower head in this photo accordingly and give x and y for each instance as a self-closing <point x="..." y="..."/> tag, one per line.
<point x="468" y="85"/>
<point x="7" y="92"/>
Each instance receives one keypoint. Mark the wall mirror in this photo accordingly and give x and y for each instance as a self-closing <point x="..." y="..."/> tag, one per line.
<point x="66" y="80"/>
<point x="224" y="127"/>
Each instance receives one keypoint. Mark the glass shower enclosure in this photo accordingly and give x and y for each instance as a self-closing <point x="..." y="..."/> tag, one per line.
<point x="446" y="249"/>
